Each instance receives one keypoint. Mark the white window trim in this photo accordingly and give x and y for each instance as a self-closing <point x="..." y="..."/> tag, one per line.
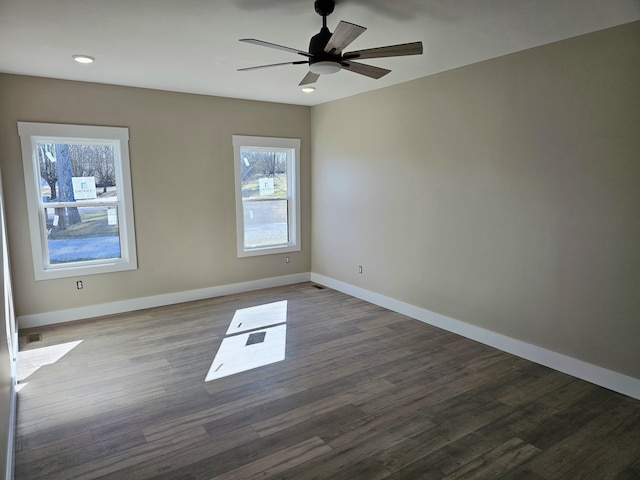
<point x="33" y="133"/>
<point x="293" y="177"/>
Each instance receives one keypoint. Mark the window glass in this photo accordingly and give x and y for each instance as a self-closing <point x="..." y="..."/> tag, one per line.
<point x="264" y="197"/>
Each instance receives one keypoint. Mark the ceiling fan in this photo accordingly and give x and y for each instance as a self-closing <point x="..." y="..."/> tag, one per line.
<point x="326" y="55"/>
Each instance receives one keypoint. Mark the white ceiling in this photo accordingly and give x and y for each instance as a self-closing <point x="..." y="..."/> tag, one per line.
<point x="192" y="45"/>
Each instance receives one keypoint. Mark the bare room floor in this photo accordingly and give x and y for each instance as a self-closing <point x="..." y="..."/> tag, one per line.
<point x="363" y="393"/>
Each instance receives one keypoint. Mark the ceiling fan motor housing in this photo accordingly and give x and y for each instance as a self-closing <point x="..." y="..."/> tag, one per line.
<point x="320" y="61"/>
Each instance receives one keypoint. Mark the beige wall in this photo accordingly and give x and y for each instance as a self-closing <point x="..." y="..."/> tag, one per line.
<point x="505" y="194"/>
<point x="183" y="186"/>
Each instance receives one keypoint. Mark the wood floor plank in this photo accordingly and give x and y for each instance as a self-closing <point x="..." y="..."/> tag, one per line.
<point x="584" y="443"/>
<point x="469" y="447"/>
<point x="363" y="393"/>
<point x="385" y="461"/>
<point x="278" y="462"/>
<point x="496" y="462"/>
<point x="325" y="405"/>
<point x="178" y="458"/>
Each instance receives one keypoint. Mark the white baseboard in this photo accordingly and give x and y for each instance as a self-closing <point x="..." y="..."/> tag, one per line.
<point x="586" y="371"/>
<point x="61" y="316"/>
<point x="11" y="432"/>
<point x="13" y="411"/>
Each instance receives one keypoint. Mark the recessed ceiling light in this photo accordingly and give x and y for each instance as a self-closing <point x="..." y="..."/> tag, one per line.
<point x="84" y="59"/>
<point x="308" y="89"/>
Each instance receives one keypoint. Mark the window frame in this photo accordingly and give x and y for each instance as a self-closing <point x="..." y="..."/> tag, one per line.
<point x="118" y="137"/>
<point x="293" y="192"/>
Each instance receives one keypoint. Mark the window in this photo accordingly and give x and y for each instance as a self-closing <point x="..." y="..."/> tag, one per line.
<point x="79" y="202"/>
<point x="267" y="172"/>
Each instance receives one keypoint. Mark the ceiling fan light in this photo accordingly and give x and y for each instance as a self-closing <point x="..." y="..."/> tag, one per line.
<point x="325" y="67"/>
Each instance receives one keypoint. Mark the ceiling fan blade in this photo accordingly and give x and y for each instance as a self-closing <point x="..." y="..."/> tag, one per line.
<point x="272" y="65"/>
<point x="364" y="69"/>
<point x="273" y="45"/>
<point x="309" y="78"/>
<point x="343" y="35"/>
<point x="399" y="50"/>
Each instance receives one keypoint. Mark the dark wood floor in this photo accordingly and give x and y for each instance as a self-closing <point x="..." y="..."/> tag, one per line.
<point x="364" y="393"/>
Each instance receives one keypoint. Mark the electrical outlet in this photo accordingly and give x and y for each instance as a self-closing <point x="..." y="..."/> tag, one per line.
<point x="79" y="285"/>
<point x="287" y="259"/>
<point x="360" y="269"/>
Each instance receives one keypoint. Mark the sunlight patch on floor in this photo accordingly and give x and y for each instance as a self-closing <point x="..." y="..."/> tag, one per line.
<point x="30" y="361"/>
<point x="256" y="336"/>
<point x="260" y="316"/>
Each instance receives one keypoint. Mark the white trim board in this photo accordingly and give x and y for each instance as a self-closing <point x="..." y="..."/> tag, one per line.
<point x="10" y="460"/>
<point x="80" y="313"/>
<point x="585" y="371"/>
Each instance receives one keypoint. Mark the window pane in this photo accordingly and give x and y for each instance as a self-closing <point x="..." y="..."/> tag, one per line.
<point x="264" y="173"/>
<point x="76" y="172"/>
<point x="265" y="223"/>
<point x="82" y="233"/>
